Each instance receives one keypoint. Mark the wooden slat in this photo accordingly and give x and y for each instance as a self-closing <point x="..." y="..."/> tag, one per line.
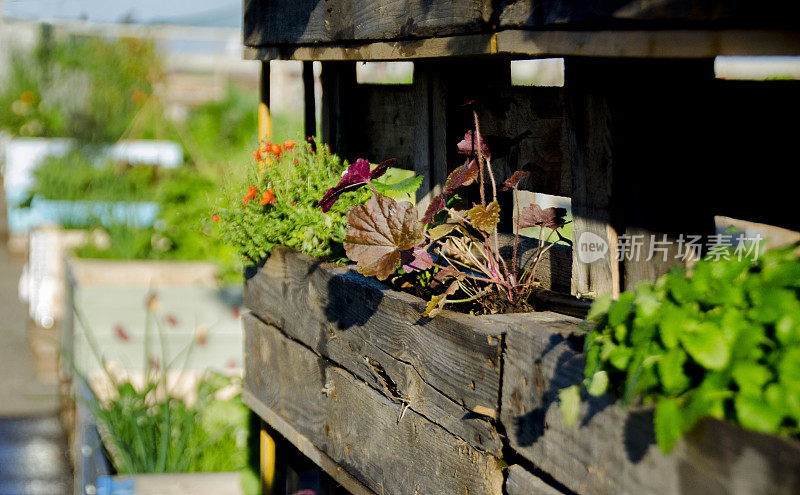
<point x="645" y="13"/>
<point x="363" y="431"/>
<point x="612" y="450"/>
<point x="517" y="43"/>
<point x="447" y="368"/>
<point x="314" y="21"/>
<point x="520" y="481"/>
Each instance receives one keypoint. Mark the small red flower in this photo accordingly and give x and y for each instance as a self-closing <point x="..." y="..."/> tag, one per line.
<point x="296" y="162"/>
<point x="215" y="218"/>
<point x="267" y="197"/>
<point x="252" y="192"/>
<point x="287" y="145"/>
<point x="257" y="155"/>
<point x="172" y="320"/>
<point x="119" y="330"/>
<point x="265" y="145"/>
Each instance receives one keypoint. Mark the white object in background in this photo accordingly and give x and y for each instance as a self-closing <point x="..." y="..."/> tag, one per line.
<point x="42" y="282"/>
<point x="150" y="152"/>
<point x="23" y="155"/>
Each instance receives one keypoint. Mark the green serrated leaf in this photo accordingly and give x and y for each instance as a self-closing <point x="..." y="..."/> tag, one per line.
<point x="599" y="308"/>
<point x="393" y="185"/>
<point x="754" y="413"/>
<point x="670" y="369"/>
<point x="668" y="423"/>
<point x="441" y="230"/>
<point x="570" y="399"/>
<point x="706" y="344"/>
<point x="620" y="309"/>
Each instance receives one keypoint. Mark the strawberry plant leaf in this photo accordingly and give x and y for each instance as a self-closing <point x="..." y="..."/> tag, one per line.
<point x="754" y="413"/>
<point x="485" y="218"/>
<point x="378" y="231"/>
<point x="706" y="344"/>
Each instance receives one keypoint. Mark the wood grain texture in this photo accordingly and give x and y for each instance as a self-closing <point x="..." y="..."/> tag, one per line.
<point x="316" y="21"/>
<point x="520" y="481"/>
<point x="445" y="369"/>
<point x="659" y="14"/>
<point x="612" y="450"/>
<point x="358" y="428"/>
<point x="516" y="43"/>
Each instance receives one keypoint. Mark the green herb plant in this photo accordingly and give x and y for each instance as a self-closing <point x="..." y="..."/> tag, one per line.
<point x="146" y="428"/>
<point x="723" y="342"/>
<point x="275" y="203"/>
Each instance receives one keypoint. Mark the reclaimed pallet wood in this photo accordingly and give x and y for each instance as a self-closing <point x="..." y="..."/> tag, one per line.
<point x="640" y="13"/>
<point x="612" y="450"/>
<point x="314" y="21"/>
<point x="520" y="481"/>
<point x="389" y="448"/>
<point x="518" y="43"/>
<point x="446" y="369"/>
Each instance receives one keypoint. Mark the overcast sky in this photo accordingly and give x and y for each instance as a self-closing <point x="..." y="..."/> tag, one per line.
<point x="194" y="12"/>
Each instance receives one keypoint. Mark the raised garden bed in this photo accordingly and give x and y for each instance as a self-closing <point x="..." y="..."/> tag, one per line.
<point x="388" y="402"/>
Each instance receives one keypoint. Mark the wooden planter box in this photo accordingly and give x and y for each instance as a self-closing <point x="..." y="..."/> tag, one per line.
<point x="386" y="401"/>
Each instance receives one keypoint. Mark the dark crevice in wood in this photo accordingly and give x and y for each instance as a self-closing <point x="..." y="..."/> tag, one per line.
<point x="508" y="455"/>
<point x="395" y="396"/>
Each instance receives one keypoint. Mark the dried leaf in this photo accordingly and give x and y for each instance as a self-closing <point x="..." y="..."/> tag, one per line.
<point x="513" y="181"/>
<point x="462" y="176"/>
<point x="436" y="304"/>
<point x="441" y="230"/>
<point x="437" y="204"/>
<point x="484" y="218"/>
<point x="468" y="146"/>
<point x="378" y="231"/>
<point x="534" y="215"/>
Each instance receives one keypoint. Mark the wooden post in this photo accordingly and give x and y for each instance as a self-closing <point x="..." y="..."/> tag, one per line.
<point x="264" y="117"/>
<point x="338" y="84"/>
<point x="309" y="102"/>
<point x="638" y="152"/>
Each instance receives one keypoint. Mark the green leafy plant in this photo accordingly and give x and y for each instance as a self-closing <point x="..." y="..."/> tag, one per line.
<point x="723" y="342"/>
<point x="146" y="428"/>
<point x="275" y="204"/>
<point x="88" y="88"/>
<point x="385" y="235"/>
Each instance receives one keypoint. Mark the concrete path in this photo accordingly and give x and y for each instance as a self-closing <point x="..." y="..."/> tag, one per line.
<point x="33" y="449"/>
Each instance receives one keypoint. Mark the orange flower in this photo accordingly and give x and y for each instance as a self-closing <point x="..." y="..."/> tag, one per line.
<point x="275" y="149"/>
<point x="287" y="145"/>
<point x="251" y="194"/>
<point x="215" y="218"/>
<point x="267" y="197"/>
<point x="257" y="155"/>
<point x="265" y="146"/>
<point x="28" y="98"/>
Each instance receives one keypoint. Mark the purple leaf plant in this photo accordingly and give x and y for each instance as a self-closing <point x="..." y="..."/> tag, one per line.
<point x="385" y="235"/>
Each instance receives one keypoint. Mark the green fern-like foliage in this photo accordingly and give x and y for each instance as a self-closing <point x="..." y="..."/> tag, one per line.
<point x="293" y="180"/>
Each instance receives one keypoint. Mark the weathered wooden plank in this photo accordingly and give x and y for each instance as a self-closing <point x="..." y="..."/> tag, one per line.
<point x="315" y="21"/>
<point x="446" y="369"/>
<point x="645" y="13"/>
<point x="520" y="481"/>
<point x="363" y="431"/>
<point x="613" y="450"/>
<point x="516" y="43"/>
